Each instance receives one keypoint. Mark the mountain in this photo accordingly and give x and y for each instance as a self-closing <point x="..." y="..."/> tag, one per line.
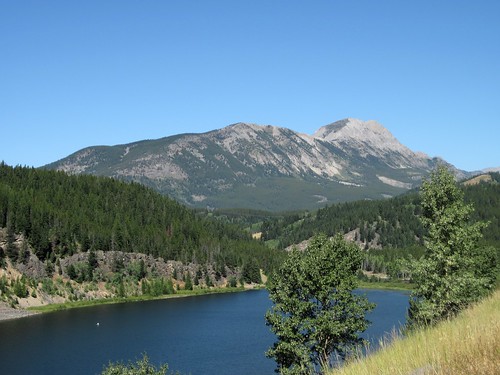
<point x="488" y="170"/>
<point x="390" y="223"/>
<point x="263" y="167"/>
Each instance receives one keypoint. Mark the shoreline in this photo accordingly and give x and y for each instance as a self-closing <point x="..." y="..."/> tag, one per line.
<point x="384" y="285"/>
<point x="9" y="313"/>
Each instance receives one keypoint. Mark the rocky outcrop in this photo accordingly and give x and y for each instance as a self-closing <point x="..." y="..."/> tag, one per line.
<point x="249" y="165"/>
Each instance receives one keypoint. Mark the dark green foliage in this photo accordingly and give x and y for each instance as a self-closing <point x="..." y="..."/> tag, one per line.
<point x="495" y="177"/>
<point x="71" y="271"/>
<point x="48" y="286"/>
<point x="395" y="221"/>
<point x="157" y="286"/>
<point x="233" y="283"/>
<point x="58" y="265"/>
<point x="49" y="268"/>
<point x="20" y="288"/>
<point x="485" y="197"/>
<point x="11" y="250"/>
<point x="198" y="277"/>
<point x="455" y="270"/>
<point x="315" y="313"/>
<point x="91" y="264"/>
<point x="4" y="285"/>
<point x="61" y="215"/>
<point x="121" y="289"/>
<point x="2" y="258"/>
<point x="141" y="367"/>
<point x="188" y="282"/>
<point x="137" y="270"/>
<point x="208" y="281"/>
<point x="251" y="272"/>
<point x="24" y="253"/>
<point x="241" y="216"/>
<point x="396" y="263"/>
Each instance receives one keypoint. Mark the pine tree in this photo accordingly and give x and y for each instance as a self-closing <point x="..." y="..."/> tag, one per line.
<point x="11" y="249"/>
<point x="188" y="282"/>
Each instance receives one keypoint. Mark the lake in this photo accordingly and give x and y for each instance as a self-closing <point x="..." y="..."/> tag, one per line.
<point x="203" y="335"/>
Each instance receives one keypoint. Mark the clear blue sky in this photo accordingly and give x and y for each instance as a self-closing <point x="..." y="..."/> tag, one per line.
<point x="82" y="73"/>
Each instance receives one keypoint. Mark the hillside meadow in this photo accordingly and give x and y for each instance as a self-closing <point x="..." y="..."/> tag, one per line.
<point x="466" y="345"/>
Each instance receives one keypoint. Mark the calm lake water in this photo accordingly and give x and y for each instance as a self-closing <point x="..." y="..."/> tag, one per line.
<point x="213" y="334"/>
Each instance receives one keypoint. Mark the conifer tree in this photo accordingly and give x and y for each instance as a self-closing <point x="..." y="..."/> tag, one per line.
<point x="188" y="282"/>
<point x="11" y="248"/>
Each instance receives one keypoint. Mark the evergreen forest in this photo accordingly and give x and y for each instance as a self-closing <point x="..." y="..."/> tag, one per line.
<point x="383" y="224"/>
<point x="62" y="214"/>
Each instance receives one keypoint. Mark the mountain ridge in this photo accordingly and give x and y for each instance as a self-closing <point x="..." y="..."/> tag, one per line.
<point x="247" y="165"/>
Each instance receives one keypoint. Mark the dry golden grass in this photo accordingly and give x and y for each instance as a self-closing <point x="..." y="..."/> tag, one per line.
<point x="476" y="180"/>
<point x="466" y="345"/>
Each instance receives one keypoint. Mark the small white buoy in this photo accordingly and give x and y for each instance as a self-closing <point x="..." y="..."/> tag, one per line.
<point x="97" y="324"/>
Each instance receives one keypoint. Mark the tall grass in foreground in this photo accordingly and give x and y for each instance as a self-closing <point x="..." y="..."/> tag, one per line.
<point x="468" y="345"/>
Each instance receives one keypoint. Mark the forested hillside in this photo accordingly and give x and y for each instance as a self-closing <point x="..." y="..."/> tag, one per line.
<point x="391" y="223"/>
<point x="61" y="215"/>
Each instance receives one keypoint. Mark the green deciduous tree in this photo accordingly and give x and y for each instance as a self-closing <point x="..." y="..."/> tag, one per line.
<point x="453" y="273"/>
<point x="20" y="288"/>
<point x="141" y="367"/>
<point x="315" y="313"/>
<point x="138" y="270"/>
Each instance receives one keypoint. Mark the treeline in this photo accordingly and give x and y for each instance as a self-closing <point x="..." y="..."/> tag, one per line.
<point x="394" y="222"/>
<point x="391" y="223"/>
<point x="486" y="199"/>
<point x="60" y="215"/>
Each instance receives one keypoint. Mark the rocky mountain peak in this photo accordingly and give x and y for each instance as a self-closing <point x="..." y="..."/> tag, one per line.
<point x="263" y="166"/>
<point x="369" y="136"/>
<point x="358" y="130"/>
<point x="243" y="127"/>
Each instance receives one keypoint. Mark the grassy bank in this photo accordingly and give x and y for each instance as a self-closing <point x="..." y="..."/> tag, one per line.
<point x="95" y="302"/>
<point x="467" y="345"/>
<point x="187" y="293"/>
<point x="386" y="285"/>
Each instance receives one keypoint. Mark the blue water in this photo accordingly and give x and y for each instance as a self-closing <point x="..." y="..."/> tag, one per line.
<point x="213" y="334"/>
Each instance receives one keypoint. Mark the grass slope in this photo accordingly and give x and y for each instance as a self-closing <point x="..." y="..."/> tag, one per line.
<point x="467" y="345"/>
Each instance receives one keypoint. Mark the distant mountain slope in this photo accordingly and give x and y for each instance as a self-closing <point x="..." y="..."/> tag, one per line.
<point x="263" y="167"/>
<point x="390" y="223"/>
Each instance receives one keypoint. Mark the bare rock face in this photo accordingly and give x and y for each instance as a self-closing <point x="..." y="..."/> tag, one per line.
<point x="264" y="167"/>
<point x="154" y="267"/>
<point x="28" y="263"/>
<point x="371" y="139"/>
<point x="33" y="267"/>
